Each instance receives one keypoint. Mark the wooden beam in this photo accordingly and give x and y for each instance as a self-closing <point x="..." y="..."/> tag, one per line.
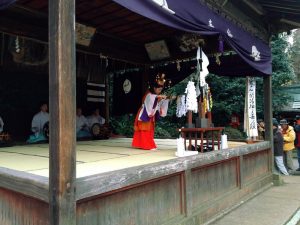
<point x="25" y="183"/>
<point x="255" y="6"/>
<point x="20" y="25"/>
<point x="268" y="114"/>
<point x="62" y="100"/>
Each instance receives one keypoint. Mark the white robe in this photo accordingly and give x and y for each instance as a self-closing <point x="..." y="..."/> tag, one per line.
<point x="95" y="119"/>
<point x="1" y="125"/>
<point x="81" y="122"/>
<point x="151" y="109"/>
<point x="39" y="121"/>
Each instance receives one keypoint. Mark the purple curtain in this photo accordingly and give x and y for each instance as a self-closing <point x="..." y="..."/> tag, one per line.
<point x="192" y="16"/>
<point x="5" y="3"/>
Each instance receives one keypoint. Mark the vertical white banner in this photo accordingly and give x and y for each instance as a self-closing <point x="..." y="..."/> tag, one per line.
<point x="250" y="124"/>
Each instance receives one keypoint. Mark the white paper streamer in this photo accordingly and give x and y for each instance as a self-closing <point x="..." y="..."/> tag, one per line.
<point x="191" y="98"/>
<point x="181" y="106"/>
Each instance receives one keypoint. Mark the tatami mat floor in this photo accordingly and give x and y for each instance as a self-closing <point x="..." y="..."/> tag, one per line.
<point x="93" y="157"/>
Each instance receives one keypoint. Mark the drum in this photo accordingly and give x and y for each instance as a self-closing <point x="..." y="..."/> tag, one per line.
<point x="96" y="130"/>
<point x="4" y="137"/>
<point x="5" y="140"/>
<point x="46" y="130"/>
<point x="100" y="131"/>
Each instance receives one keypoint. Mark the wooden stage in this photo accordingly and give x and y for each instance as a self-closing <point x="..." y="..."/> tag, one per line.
<point x="117" y="184"/>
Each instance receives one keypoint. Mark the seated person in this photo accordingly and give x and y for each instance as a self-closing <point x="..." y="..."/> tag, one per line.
<point x="1" y="125"/>
<point x="97" y="126"/>
<point x="38" y="124"/>
<point x="82" y="129"/>
<point x="95" y="118"/>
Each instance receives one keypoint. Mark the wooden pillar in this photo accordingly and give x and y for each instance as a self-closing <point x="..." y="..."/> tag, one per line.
<point x="189" y="118"/>
<point x="268" y="114"/>
<point x="107" y="88"/>
<point x="209" y="118"/>
<point x="62" y="101"/>
<point x="200" y="109"/>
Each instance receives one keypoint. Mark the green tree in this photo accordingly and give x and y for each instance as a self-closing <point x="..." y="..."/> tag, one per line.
<point x="295" y="54"/>
<point x="283" y="73"/>
<point x="228" y="95"/>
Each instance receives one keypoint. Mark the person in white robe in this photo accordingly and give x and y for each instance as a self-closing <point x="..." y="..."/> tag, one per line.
<point x="40" y="119"/>
<point x="95" y="118"/>
<point x="82" y="129"/>
<point x="155" y="105"/>
<point x="37" y="125"/>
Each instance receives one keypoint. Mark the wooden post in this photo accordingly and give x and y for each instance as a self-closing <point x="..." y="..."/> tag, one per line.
<point x="189" y="118"/>
<point x="62" y="101"/>
<point x="107" y="88"/>
<point x="209" y="118"/>
<point x="268" y="114"/>
<point x="200" y="113"/>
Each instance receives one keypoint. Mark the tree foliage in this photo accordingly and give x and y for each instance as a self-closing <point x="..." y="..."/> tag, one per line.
<point x="295" y="54"/>
<point x="228" y="97"/>
<point x="283" y="73"/>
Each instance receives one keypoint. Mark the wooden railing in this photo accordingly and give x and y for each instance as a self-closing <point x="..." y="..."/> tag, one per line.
<point x="196" y="134"/>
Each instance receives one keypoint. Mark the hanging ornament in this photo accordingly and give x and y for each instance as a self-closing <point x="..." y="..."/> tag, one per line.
<point x="199" y="57"/>
<point x="218" y="61"/>
<point x="203" y="71"/>
<point x="17" y="45"/>
<point x="178" y="65"/>
<point x="160" y="79"/>
<point x="105" y="58"/>
<point x="181" y="106"/>
<point x="210" y="101"/>
<point x="221" y="44"/>
<point x="168" y="84"/>
<point x="197" y="79"/>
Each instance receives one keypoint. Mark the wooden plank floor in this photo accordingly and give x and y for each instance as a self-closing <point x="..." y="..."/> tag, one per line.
<point x="93" y="157"/>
